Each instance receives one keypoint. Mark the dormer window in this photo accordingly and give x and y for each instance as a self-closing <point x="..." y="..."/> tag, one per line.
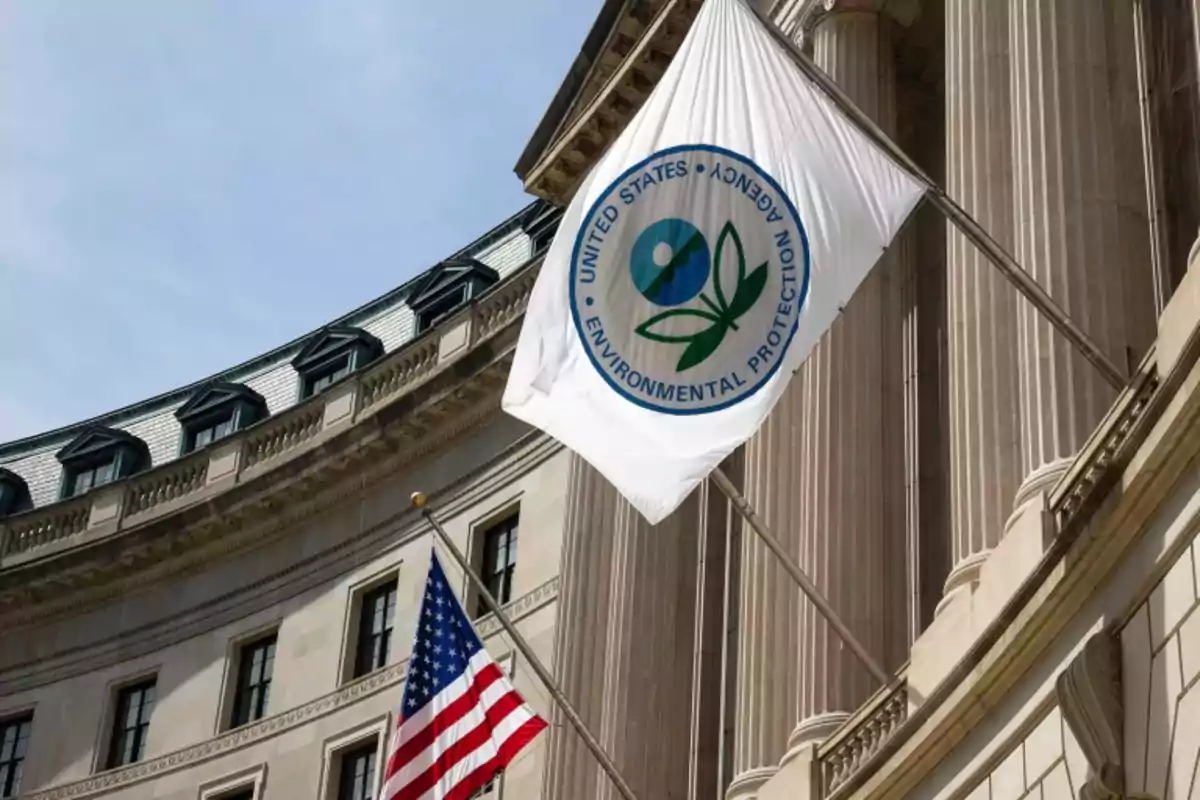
<point x="540" y="223"/>
<point x="14" y="493"/>
<point x="99" y="456"/>
<point x="216" y="410"/>
<point x="332" y="354"/>
<point x="447" y="287"/>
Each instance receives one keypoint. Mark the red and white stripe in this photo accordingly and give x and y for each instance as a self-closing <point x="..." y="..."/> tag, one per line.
<point x="457" y="741"/>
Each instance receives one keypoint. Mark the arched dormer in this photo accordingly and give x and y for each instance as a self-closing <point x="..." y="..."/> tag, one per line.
<point x="447" y="287"/>
<point x="14" y="493"/>
<point x="332" y="353"/>
<point x="100" y="455"/>
<point x="216" y="410"/>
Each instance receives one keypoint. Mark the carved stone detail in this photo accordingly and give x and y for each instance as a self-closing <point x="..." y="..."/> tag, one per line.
<point x="387" y="678"/>
<point x="1089" y="695"/>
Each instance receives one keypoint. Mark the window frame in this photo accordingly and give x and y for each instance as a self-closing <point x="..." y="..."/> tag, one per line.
<point x="95" y="447"/>
<point x="346" y="743"/>
<point x="337" y="350"/>
<point x="258" y="710"/>
<point x="348" y="658"/>
<point x="507" y="520"/>
<point x="230" y="786"/>
<point x="387" y="591"/>
<point x="8" y="720"/>
<point x="113" y="726"/>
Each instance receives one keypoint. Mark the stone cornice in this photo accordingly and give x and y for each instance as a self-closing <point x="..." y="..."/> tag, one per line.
<point x="610" y="99"/>
<point x="388" y="678"/>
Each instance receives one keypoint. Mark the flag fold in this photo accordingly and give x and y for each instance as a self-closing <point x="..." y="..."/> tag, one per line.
<point x="700" y="262"/>
<point x="460" y="720"/>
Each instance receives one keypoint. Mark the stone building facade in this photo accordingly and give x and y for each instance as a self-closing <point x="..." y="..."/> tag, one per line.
<point x="210" y="594"/>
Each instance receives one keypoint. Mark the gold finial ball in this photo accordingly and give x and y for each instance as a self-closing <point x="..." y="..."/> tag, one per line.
<point x="418" y="499"/>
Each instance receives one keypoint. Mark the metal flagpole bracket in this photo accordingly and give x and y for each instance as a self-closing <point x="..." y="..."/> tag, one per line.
<point x="1029" y="288"/>
<point x="420" y="502"/>
<point x="802" y="580"/>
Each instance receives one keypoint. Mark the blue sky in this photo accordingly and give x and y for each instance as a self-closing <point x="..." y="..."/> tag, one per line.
<point x="186" y="184"/>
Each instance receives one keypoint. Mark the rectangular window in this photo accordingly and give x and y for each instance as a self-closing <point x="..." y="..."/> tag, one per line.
<point x="442" y="308"/>
<point x="499" y="562"/>
<point x="131" y="723"/>
<point x="375" y="628"/>
<point x="357" y="779"/>
<point x="487" y="788"/>
<point x="14" y="741"/>
<point x="206" y="436"/>
<point x="256" y="661"/>
<point x="328" y="376"/>
<point x="90" y="478"/>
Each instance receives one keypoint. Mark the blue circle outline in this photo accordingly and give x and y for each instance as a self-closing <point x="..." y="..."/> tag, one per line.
<point x="586" y="224"/>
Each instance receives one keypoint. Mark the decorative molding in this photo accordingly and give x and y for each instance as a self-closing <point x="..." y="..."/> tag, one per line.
<point x="369" y="685"/>
<point x="1089" y="695"/>
<point x="395" y="532"/>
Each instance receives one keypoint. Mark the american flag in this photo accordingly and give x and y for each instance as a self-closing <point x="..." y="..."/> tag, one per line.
<point x="460" y="720"/>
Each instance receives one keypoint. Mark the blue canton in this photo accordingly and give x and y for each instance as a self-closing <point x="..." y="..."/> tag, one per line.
<point x="445" y="643"/>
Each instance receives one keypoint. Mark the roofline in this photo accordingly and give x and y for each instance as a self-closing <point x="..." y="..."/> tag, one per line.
<point x="37" y="441"/>
<point x="568" y="92"/>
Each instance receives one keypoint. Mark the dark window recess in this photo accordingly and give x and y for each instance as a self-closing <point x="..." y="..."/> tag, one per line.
<point x="216" y="410"/>
<point x="445" y="288"/>
<point x="332" y="353"/>
<point x="357" y="781"/>
<point x="14" y="493"/>
<point x="98" y="456"/>
<point x="541" y="223"/>
<point x="487" y="787"/>
<point x="131" y="724"/>
<point x="255" y="664"/>
<point x="239" y="794"/>
<point x="441" y="308"/>
<point x="375" y="628"/>
<point x="499" y="562"/>
<point x="14" y="742"/>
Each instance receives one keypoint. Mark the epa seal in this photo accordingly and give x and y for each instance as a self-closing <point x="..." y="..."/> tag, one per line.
<point x="687" y="280"/>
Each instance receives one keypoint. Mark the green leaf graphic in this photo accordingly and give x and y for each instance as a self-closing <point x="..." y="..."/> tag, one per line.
<point x="748" y="291"/>
<point x="701" y="347"/>
<point x="670" y="338"/>
<point x="722" y="314"/>
<point x="728" y="234"/>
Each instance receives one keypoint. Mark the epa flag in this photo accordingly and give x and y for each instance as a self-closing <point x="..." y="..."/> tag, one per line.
<point x="460" y="720"/>
<point x="699" y="263"/>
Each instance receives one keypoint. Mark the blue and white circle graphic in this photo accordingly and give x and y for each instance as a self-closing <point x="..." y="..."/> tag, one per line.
<point x="670" y="262"/>
<point x="687" y="280"/>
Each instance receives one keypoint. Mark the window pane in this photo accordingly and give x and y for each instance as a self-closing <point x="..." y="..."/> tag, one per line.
<point x="14" y="738"/>
<point x="256" y="661"/>
<point x="104" y="474"/>
<point x="377" y="611"/>
<point x="358" y="775"/>
<point x="131" y="724"/>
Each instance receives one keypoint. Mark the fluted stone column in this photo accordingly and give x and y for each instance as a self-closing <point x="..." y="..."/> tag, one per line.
<point x="580" y="636"/>
<point x="826" y="471"/>
<point x="648" y="664"/>
<point x="769" y="603"/>
<point x="1068" y="226"/>
<point x="985" y="439"/>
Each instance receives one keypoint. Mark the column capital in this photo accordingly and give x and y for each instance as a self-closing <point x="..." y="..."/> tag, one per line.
<point x="804" y="17"/>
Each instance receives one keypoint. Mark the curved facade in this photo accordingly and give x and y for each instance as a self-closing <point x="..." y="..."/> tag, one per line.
<point x="210" y="595"/>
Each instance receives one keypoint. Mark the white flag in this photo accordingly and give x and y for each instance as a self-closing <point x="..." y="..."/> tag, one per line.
<point x="700" y="262"/>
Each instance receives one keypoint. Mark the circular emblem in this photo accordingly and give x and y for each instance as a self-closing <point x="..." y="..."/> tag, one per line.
<point x="688" y="276"/>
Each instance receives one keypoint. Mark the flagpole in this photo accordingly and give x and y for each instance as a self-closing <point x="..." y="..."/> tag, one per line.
<point x="802" y="580"/>
<point x="970" y="228"/>
<point x="606" y="763"/>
